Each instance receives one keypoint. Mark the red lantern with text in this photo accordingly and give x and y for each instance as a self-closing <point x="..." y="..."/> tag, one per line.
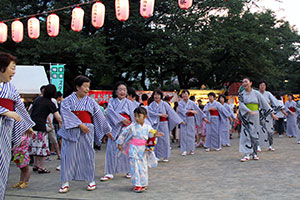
<point x="146" y="8"/>
<point x="77" y="19"/>
<point x="53" y="25"/>
<point x="185" y="4"/>
<point x="33" y="27"/>
<point x="122" y="10"/>
<point x="3" y="32"/>
<point x="17" y="31"/>
<point x="98" y="14"/>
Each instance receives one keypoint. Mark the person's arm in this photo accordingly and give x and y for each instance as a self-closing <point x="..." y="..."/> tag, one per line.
<point x="58" y="119"/>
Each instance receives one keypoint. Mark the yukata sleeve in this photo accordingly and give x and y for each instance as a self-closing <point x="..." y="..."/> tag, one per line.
<point x="113" y="116"/>
<point x="223" y="110"/>
<point x="276" y="105"/>
<point x="173" y="117"/>
<point x="101" y="126"/>
<point x="243" y="109"/>
<point x="70" y="120"/>
<point x="181" y="111"/>
<point x="124" y="135"/>
<point x="199" y="117"/>
<point x="263" y="104"/>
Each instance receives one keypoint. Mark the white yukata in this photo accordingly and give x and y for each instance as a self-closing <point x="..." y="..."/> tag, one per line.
<point x="213" y="129"/>
<point x="115" y="164"/>
<point x="77" y="153"/>
<point x="10" y="130"/>
<point x="162" y="149"/>
<point x="225" y="125"/>
<point x="250" y="123"/>
<point x="291" y="122"/>
<point x="135" y="136"/>
<point x="188" y="130"/>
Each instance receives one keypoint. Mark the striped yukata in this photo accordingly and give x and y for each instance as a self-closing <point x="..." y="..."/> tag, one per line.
<point x="188" y="130"/>
<point x="225" y="125"/>
<point x="266" y="124"/>
<point x="77" y="152"/>
<point x="213" y="130"/>
<point x="291" y="121"/>
<point x="10" y="130"/>
<point x="162" y="148"/>
<point x="250" y="123"/>
<point x="115" y="164"/>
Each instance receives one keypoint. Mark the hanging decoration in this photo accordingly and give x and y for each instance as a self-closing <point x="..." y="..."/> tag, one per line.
<point x="98" y="14"/>
<point x="122" y="9"/>
<point x="17" y="31"/>
<point x="77" y="19"/>
<point x="3" y="32"/>
<point x="146" y="8"/>
<point x="185" y="4"/>
<point x="53" y="25"/>
<point x="33" y="27"/>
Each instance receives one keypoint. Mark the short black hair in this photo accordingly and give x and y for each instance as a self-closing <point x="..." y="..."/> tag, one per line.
<point x="140" y="110"/>
<point x="222" y="95"/>
<point x="131" y="92"/>
<point x="150" y="100"/>
<point x="49" y="91"/>
<point x="247" y="78"/>
<point x="79" y="80"/>
<point x="212" y="94"/>
<point x="114" y="94"/>
<point x="290" y="94"/>
<point x="185" y="91"/>
<point x="137" y="98"/>
<point x="158" y="91"/>
<point x="5" y="59"/>
<point x="167" y="98"/>
<point x="58" y="94"/>
<point x="42" y="87"/>
<point x="262" y="81"/>
<point x="144" y="97"/>
<point x="192" y="98"/>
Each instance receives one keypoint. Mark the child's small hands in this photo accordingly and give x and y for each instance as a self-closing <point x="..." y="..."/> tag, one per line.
<point x="120" y="147"/>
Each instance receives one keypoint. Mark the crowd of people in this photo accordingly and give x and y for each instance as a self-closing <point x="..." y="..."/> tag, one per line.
<point x="137" y="130"/>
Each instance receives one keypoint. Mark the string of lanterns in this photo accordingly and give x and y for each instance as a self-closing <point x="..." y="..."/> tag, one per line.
<point x="97" y="18"/>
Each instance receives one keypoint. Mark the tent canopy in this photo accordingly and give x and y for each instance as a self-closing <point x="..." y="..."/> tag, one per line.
<point x="29" y="78"/>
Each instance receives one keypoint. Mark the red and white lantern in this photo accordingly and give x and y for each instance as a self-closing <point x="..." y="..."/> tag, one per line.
<point x="17" y="31"/>
<point x="185" y="4"/>
<point x="98" y="14"/>
<point x="146" y="8"/>
<point x="3" y="32"/>
<point x="122" y="9"/>
<point x="77" y="19"/>
<point x="33" y="27"/>
<point x="53" y="25"/>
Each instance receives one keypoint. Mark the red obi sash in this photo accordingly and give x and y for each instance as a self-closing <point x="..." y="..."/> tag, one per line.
<point x="7" y="103"/>
<point x="163" y="119"/>
<point x="292" y="109"/>
<point x="84" y="116"/>
<point x="214" y="112"/>
<point x="127" y="117"/>
<point x="190" y="114"/>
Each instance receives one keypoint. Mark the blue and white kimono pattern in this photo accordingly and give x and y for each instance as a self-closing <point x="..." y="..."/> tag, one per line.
<point x="77" y="153"/>
<point x="291" y="122"/>
<point x="162" y="149"/>
<point x="188" y="130"/>
<point x="136" y="153"/>
<point x="213" y="132"/>
<point x="10" y="130"/>
<point x="115" y="164"/>
<point x="225" y="125"/>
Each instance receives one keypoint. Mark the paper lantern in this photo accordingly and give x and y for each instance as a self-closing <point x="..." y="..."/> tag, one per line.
<point x="53" y="25"/>
<point x="122" y="9"/>
<point x="185" y="4"/>
<point x="146" y="8"/>
<point x="77" y="19"/>
<point x="33" y="27"/>
<point x="17" y="31"/>
<point x="3" y="32"/>
<point x="98" y="14"/>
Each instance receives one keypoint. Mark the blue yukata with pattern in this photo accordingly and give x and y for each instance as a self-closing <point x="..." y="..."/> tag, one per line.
<point x="291" y="121"/>
<point x="11" y="131"/>
<point x="77" y="153"/>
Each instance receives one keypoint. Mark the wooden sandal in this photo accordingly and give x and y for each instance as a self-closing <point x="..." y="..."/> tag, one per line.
<point x="18" y="184"/>
<point x="24" y="185"/>
<point x="43" y="171"/>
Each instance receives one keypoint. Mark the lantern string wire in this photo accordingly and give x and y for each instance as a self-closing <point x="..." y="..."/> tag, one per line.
<point x="50" y="11"/>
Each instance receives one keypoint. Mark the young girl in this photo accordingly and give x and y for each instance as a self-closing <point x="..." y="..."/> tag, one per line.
<point x="21" y="158"/>
<point x="135" y="138"/>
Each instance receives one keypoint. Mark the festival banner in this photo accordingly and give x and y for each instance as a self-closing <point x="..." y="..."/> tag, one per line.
<point x="57" y="76"/>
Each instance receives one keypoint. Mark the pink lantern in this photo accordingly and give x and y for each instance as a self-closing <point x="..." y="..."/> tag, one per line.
<point x="98" y="14"/>
<point x="3" y="32"/>
<point x="33" y="26"/>
<point x="53" y="25"/>
<point x="17" y="31"/>
<point x="77" y="19"/>
<point x="146" y="8"/>
<point x="185" y="4"/>
<point x="122" y="9"/>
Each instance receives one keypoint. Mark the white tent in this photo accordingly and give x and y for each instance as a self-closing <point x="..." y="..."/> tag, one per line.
<point x="29" y="79"/>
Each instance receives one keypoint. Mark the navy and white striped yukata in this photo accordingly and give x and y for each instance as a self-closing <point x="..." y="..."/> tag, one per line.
<point x="10" y="130"/>
<point x="113" y="163"/>
<point x="225" y="125"/>
<point x="77" y="153"/>
<point x="162" y="148"/>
